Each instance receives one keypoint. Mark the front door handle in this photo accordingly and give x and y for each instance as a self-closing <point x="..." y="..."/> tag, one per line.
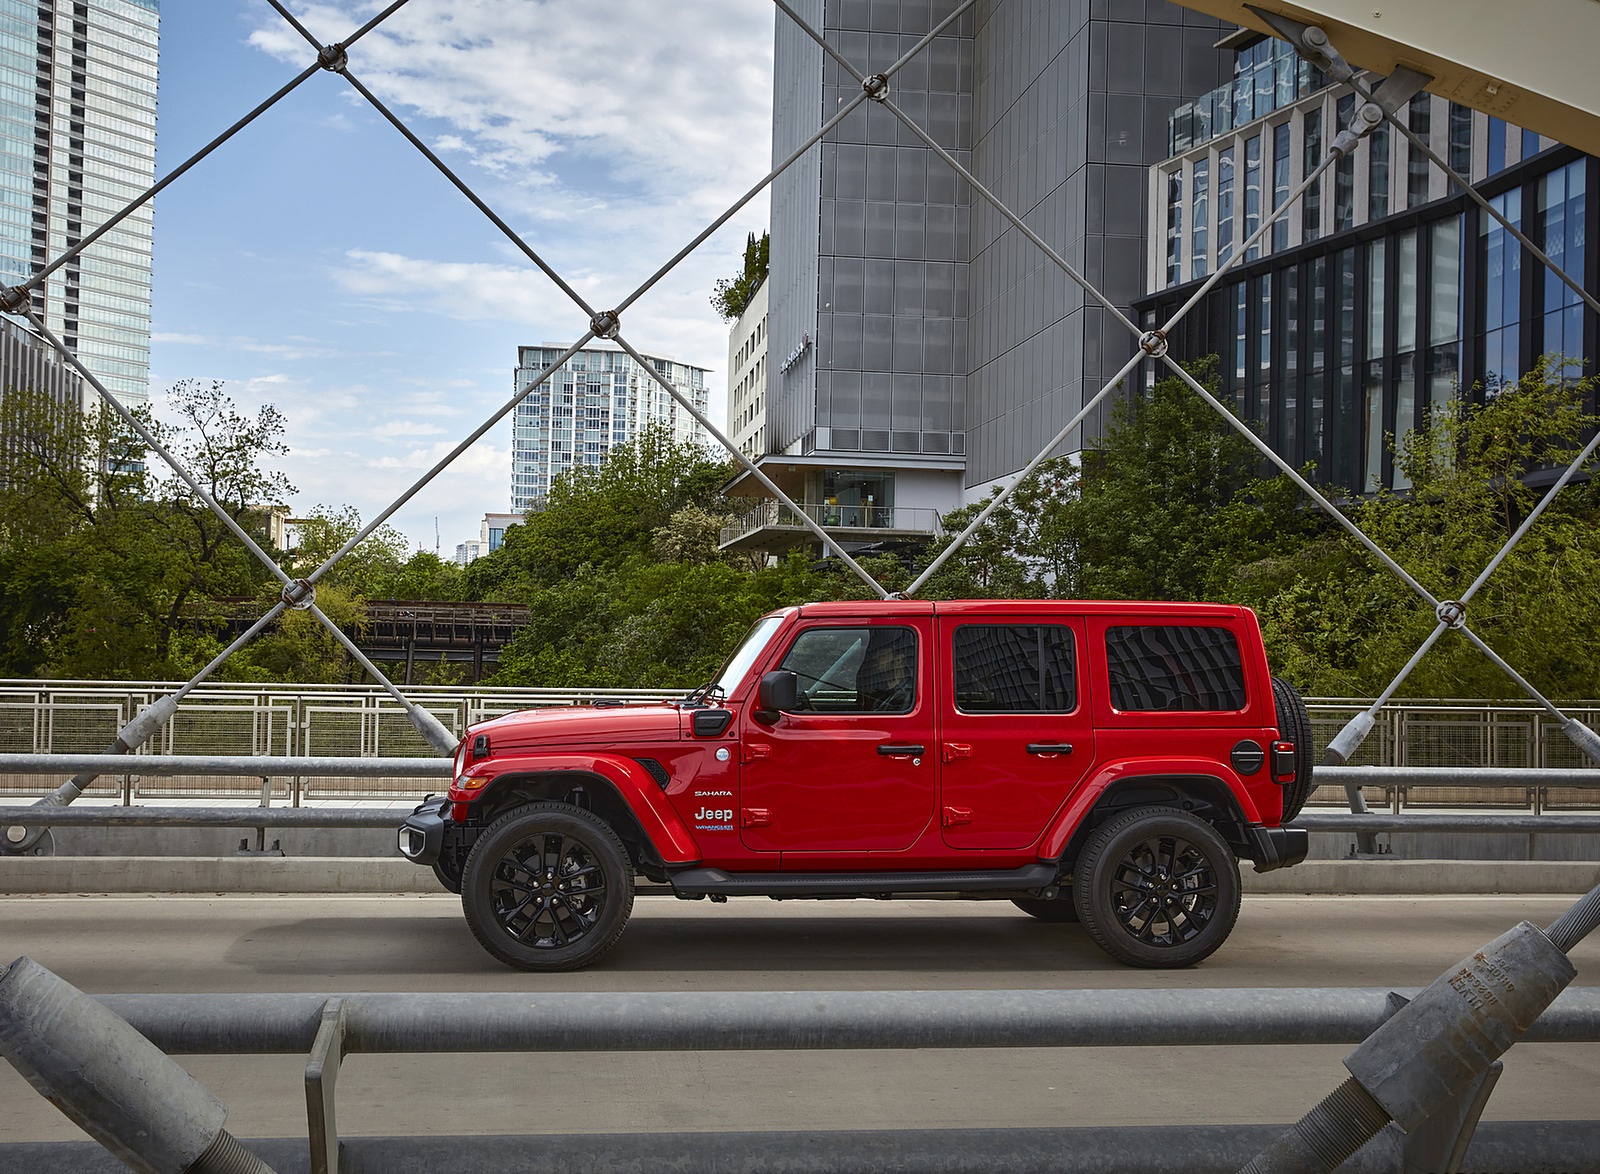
<point x="1049" y="747"/>
<point x="899" y="749"/>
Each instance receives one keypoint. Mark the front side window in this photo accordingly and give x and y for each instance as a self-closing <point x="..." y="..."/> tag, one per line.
<point x="1171" y="668"/>
<point x="855" y="670"/>
<point x="1014" y="668"/>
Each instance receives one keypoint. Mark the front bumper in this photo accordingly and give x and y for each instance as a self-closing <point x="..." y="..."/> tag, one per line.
<point x="1278" y="847"/>
<point x="421" y="836"/>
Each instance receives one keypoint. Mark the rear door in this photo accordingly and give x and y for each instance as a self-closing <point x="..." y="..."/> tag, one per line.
<point x="1015" y="736"/>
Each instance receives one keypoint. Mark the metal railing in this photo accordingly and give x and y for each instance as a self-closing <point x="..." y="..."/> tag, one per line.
<point x="327" y="1028"/>
<point x="777" y="515"/>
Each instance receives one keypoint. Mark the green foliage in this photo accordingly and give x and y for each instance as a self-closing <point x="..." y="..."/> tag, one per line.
<point x="103" y="556"/>
<point x="733" y="295"/>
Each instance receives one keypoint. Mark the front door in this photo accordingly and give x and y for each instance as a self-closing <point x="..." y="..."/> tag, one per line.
<point x="852" y="768"/>
<point x="1016" y="735"/>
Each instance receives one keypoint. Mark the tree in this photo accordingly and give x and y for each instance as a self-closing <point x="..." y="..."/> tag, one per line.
<point x="107" y="558"/>
<point x="733" y="295"/>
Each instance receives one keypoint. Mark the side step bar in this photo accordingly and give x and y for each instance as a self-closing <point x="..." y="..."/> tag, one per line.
<point x="705" y="882"/>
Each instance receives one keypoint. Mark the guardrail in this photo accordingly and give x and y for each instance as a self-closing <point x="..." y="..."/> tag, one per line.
<point x="328" y="1028"/>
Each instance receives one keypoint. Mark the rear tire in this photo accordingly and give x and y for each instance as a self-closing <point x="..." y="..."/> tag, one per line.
<point x="547" y="887"/>
<point x="1157" y="887"/>
<point x="1057" y="909"/>
<point x="1294" y="725"/>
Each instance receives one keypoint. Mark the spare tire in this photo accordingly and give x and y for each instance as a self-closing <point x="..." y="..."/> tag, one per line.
<point x="1294" y="725"/>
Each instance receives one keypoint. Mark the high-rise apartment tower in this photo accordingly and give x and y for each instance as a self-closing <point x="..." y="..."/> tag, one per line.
<point x="78" y="121"/>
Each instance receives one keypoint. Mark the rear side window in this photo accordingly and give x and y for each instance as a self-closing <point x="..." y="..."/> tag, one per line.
<point x="1014" y="668"/>
<point x="1174" y="668"/>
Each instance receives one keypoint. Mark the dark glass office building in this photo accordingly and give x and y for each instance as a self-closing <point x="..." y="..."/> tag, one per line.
<point x="1383" y="293"/>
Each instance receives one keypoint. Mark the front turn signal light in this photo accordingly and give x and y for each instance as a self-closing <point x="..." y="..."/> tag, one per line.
<point x="472" y="782"/>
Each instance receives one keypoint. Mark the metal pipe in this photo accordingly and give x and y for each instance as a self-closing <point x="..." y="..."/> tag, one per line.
<point x="213" y="1024"/>
<point x="1571" y="1146"/>
<point x="240" y="765"/>
<point x="225" y="817"/>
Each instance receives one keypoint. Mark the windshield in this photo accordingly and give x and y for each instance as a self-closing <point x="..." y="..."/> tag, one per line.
<point x="745" y="655"/>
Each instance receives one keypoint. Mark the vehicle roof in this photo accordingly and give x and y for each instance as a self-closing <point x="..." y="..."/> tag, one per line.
<point x="1143" y="609"/>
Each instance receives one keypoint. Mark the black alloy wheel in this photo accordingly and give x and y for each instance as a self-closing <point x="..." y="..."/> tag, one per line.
<point x="1157" y="887"/>
<point x="547" y="887"/>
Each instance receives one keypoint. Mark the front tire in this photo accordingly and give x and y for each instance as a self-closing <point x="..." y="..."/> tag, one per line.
<point x="1157" y="888"/>
<point x="547" y="887"/>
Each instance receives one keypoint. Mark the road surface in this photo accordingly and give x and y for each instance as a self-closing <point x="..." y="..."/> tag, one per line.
<point x="333" y="944"/>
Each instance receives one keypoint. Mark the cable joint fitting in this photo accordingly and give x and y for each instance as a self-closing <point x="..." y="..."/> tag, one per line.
<point x="876" y="87"/>
<point x="1452" y="614"/>
<point x="333" y="58"/>
<point x="300" y="594"/>
<point x="14" y="299"/>
<point x="606" y="324"/>
<point x="1154" y="343"/>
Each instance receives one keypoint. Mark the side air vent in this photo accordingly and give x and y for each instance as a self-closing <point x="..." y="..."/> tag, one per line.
<point x="656" y="771"/>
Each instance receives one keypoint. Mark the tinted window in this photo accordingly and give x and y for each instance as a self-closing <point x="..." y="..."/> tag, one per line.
<point x="1014" y="668"/>
<point x="1172" y="668"/>
<point x="855" y="670"/>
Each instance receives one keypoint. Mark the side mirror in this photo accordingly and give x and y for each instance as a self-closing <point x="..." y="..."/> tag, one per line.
<point x="779" y="692"/>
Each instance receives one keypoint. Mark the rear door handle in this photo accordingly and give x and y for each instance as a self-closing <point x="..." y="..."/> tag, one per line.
<point x="1049" y="747"/>
<point x="899" y="749"/>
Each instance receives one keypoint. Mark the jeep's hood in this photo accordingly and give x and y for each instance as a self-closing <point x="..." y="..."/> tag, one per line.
<point x="577" y="726"/>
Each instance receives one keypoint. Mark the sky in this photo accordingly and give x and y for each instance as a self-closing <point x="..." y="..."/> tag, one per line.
<point x="318" y="262"/>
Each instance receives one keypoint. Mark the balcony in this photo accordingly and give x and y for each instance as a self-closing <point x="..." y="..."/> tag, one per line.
<point x="773" y="526"/>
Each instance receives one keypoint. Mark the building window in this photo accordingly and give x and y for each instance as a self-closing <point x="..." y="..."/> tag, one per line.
<point x="1372" y="381"/>
<point x="1342" y="397"/>
<point x="1497" y="145"/>
<point x="1419" y="118"/>
<point x="1344" y="172"/>
<point x="1280" y="186"/>
<point x="1286" y="440"/>
<point x="1378" y="172"/>
<point x="1252" y="193"/>
<point x="1317" y="361"/>
<point x="1241" y="338"/>
<point x="1198" y="217"/>
<point x="1224" y="206"/>
<point x="1561" y="205"/>
<point x="1175" y="226"/>
<point x="1312" y="200"/>
<point x="1261" y="406"/>
<point x="1405" y="327"/>
<point x="1460" y="158"/>
<point x="1530" y="144"/>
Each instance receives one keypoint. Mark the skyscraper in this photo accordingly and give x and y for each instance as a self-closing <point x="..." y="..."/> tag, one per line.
<point x="1385" y="292"/>
<point x="598" y="398"/>
<point x="78" y="124"/>
<point x="928" y="348"/>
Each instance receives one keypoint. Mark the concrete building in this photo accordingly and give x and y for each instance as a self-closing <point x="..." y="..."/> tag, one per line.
<point x="747" y="377"/>
<point x="491" y="536"/>
<point x="598" y="398"/>
<point x="929" y="349"/>
<point x="78" y="113"/>
<point x="1385" y="291"/>
<point x="29" y="363"/>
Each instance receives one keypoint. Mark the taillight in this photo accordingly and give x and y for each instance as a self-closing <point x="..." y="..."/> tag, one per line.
<point x="1283" y="764"/>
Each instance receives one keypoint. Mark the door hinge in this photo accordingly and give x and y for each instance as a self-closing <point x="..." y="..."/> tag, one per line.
<point x="754" y="817"/>
<point x="957" y="815"/>
<point x="955" y="750"/>
<point x="754" y="750"/>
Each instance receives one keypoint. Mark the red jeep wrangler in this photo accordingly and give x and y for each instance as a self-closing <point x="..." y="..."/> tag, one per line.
<point x="1089" y="761"/>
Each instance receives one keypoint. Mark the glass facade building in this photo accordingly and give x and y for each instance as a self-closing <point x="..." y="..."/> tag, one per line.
<point x="598" y="398"/>
<point x="919" y="341"/>
<point x="77" y="144"/>
<point x="1387" y="294"/>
